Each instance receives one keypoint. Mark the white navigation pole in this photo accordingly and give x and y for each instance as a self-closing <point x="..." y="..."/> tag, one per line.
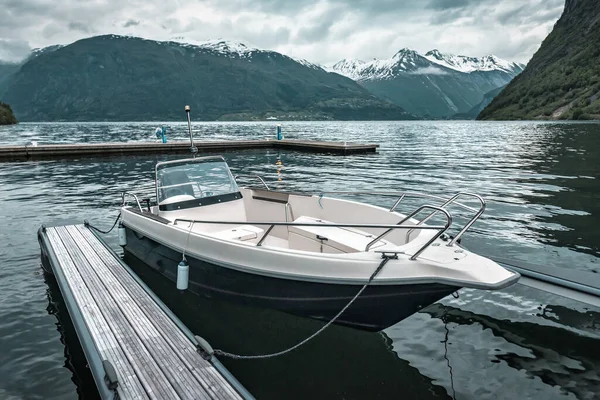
<point x="193" y="148"/>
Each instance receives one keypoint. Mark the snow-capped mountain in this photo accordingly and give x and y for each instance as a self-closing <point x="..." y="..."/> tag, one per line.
<point x="433" y="84"/>
<point x="113" y="77"/>
<point x="224" y="47"/>
<point x="411" y="61"/>
<point x="471" y="64"/>
<point x="230" y="48"/>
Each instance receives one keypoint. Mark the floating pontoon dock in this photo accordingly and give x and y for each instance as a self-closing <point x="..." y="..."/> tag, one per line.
<point x="135" y="346"/>
<point x="61" y="151"/>
<point x="582" y="286"/>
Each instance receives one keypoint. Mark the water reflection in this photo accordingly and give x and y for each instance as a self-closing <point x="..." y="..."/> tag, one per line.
<point x="568" y="172"/>
<point x="75" y="360"/>
<point x="340" y="363"/>
<point x="559" y="357"/>
<point x="541" y="182"/>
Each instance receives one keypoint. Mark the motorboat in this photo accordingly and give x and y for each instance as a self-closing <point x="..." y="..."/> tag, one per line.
<point x="306" y="254"/>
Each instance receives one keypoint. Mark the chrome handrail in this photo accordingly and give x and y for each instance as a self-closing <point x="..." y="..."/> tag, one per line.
<point x="408" y="217"/>
<point x="329" y="224"/>
<point x="446" y="204"/>
<point x="402" y="196"/>
<point x="123" y="202"/>
<point x="472" y="220"/>
<point x="254" y="176"/>
<point x="389" y="228"/>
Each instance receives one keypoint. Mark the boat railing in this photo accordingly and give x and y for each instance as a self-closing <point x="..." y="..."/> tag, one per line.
<point x="254" y="177"/>
<point x="446" y="203"/>
<point x="388" y="227"/>
<point x="124" y="197"/>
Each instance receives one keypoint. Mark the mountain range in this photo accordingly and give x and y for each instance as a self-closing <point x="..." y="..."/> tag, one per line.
<point x="434" y="84"/>
<point x="114" y="77"/>
<point x="562" y="80"/>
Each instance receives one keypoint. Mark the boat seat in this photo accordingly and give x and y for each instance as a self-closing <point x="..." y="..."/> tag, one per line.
<point x="242" y="232"/>
<point x="329" y="239"/>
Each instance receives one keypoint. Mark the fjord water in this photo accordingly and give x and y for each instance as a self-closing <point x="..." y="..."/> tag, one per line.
<point x="541" y="181"/>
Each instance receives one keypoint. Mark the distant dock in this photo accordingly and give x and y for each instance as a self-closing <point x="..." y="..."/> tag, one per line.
<point x="134" y="345"/>
<point x="65" y="151"/>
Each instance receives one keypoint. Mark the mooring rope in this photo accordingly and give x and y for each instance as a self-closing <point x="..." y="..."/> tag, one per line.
<point x="218" y="352"/>
<point x="319" y="201"/>
<point x="101" y="231"/>
<point x="187" y="240"/>
<point x="445" y="341"/>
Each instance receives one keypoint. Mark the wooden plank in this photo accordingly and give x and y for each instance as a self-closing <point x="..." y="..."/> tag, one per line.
<point x="156" y="384"/>
<point x="176" y="372"/>
<point x="209" y="377"/>
<point x="130" y="386"/>
<point x="160" y="319"/>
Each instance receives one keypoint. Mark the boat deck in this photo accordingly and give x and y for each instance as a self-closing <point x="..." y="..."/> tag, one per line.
<point x="66" y="151"/>
<point x="135" y="347"/>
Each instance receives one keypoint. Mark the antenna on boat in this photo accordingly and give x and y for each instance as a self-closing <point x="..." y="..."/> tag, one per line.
<point x="193" y="148"/>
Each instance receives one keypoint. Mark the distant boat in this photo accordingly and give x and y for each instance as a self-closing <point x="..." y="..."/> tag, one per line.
<point x="271" y="118"/>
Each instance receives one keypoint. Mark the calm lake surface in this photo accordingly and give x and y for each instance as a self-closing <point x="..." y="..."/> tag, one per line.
<point x="542" y="184"/>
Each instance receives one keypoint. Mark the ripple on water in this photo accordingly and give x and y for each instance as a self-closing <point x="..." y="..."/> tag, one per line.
<point x="541" y="183"/>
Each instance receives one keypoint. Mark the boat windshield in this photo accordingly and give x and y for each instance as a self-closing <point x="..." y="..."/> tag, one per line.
<point x="194" y="179"/>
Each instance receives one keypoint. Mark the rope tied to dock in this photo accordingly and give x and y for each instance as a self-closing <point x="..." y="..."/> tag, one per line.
<point x="385" y="257"/>
<point x="86" y="223"/>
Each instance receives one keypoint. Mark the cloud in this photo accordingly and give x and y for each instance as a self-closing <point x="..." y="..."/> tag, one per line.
<point x="322" y="31"/>
<point x="78" y="26"/>
<point x="13" y="50"/>
<point x="448" y="4"/>
<point x="130" y="22"/>
<point x="431" y="70"/>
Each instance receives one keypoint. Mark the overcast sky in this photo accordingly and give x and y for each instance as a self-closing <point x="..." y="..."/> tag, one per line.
<point x="321" y="31"/>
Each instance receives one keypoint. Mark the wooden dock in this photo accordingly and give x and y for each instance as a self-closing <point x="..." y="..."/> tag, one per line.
<point x="135" y="347"/>
<point x="62" y="151"/>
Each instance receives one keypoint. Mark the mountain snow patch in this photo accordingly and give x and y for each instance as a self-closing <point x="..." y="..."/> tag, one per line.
<point x="431" y="70"/>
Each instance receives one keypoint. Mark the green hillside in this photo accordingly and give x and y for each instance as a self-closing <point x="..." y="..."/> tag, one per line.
<point x="116" y="78"/>
<point x="487" y="99"/>
<point x="6" y="115"/>
<point x="562" y="80"/>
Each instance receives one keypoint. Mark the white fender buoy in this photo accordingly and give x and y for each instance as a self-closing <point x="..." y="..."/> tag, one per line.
<point x="122" y="235"/>
<point x="183" y="274"/>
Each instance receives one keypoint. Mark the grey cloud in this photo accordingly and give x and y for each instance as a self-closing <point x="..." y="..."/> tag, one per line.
<point x="13" y="50"/>
<point x="528" y="14"/>
<point x="130" y="22"/>
<point x="50" y="30"/>
<point x="276" y="7"/>
<point x="489" y="11"/>
<point x="448" y="4"/>
<point x="510" y="15"/>
<point x="78" y="26"/>
<point x="447" y="16"/>
<point x="318" y="30"/>
<point x="320" y="27"/>
<point x="314" y="32"/>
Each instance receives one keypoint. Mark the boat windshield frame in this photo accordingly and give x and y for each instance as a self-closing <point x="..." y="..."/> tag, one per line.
<point x="196" y="192"/>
